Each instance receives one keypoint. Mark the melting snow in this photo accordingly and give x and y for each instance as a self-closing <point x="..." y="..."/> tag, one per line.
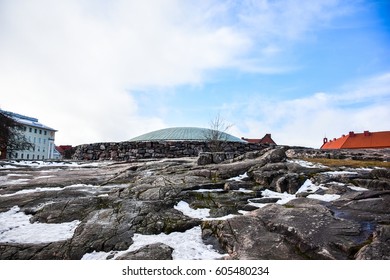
<point x="187" y="245"/>
<point x="306" y="164"/>
<point x="284" y="197"/>
<point x="239" y="178"/>
<point x="185" y="208"/>
<point x="308" y="186"/>
<point x="325" y="197"/>
<point x="242" y="190"/>
<point x="359" y="189"/>
<point x="337" y="173"/>
<point x="15" y="227"/>
<point x="47" y="189"/>
<point x="208" y="190"/>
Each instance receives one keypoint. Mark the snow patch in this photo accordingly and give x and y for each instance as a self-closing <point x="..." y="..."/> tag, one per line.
<point x="242" y="190"/>
<point x="308" y="186"/>
<point x="239" y="178"/>
<point x="48" y="189"/>
<point x="337" y="173"/>
<point x="185" y="208"/>
<point x="15" y="227"/>
<point x="359" y="189"/>
<point x="186" y="245"/>
<point x="284" y="197"/>
<point x="307" y="164"/>
<point x="208" y="190"/>
<point x="325" y="197"/>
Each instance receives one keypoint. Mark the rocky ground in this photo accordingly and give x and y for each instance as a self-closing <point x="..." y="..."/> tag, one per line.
<point x="269" y="204"/>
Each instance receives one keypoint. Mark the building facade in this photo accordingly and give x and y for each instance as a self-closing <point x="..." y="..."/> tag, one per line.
<point x="41" y="136"/>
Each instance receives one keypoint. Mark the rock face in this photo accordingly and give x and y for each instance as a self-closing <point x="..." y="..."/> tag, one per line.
<point x="264" y="204"/>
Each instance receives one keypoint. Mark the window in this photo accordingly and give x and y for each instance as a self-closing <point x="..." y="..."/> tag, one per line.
<point x="30" y="129"/>
<point x="16" y="155"/>
<point x="45" y="132"/>
<point x="39" y="140"/>
<point x="22" y="156"/>
<point x="37" y="156"/>
<point x="35" y="130"/>
<point x="28" y="156"/>
<point x="44" y="141"/>
<point x="40" y="131"/>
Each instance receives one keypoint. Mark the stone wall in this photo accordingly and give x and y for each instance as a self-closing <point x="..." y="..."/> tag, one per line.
<point x="162" y="149"/>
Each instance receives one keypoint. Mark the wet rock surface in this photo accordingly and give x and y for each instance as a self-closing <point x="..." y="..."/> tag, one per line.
<point x="266" y="204"/>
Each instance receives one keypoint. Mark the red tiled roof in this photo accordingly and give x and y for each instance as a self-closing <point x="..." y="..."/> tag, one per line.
<point x="366" y="140"/>
<point x="265" y="140"/>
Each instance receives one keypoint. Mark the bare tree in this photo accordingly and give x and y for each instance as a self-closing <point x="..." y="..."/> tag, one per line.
<point x="12" y="138"/>
<point x="216" y="135"/>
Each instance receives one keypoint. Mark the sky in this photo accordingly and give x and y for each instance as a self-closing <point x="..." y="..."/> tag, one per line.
<point x="102" y="70"/>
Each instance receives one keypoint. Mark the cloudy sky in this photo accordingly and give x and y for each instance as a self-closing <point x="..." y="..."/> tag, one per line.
<point x="99" y="70"/>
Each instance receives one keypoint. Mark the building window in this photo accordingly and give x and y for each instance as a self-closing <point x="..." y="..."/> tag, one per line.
<point x="30" y="129"/>
<point x="39" y="140"/>
<point x="44" y="141"/>
<point x="37" y="156"/>
<point x="45" y="132"/>
<point x="40" y="131"/>
<point x="16" y="155"/>
<point x="43" y="157"/>
<point x="35" y="130"/>
<point x="28" y="156"/>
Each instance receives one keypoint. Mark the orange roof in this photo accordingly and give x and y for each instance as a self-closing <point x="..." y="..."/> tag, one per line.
<point x="366" y="140"/>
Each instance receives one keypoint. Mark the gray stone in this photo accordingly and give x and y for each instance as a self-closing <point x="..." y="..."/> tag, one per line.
<point x="205" y="158"/>
<point x="157" y="251"/>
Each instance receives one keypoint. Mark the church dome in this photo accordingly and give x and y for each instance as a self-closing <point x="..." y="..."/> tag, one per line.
<point x="184" y="134"/>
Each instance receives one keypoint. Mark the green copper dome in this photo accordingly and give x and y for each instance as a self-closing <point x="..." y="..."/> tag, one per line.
<point x="184" y="134"/>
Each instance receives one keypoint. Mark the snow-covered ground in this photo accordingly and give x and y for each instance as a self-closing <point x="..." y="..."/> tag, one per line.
<point x="12" y="164"/>
<point x="15" y="226"/>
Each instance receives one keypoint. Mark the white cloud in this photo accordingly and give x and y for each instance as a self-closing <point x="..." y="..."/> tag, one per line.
<point x="74" y="64"/>
<point x="305" y="121"/>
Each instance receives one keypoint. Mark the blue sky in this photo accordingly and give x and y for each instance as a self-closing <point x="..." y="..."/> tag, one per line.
<point x="111" y="70"/>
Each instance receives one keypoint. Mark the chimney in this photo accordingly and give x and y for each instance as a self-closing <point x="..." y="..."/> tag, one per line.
<point x="366" y="133"/>
<point x="325" y="140"/>
<point x="351" y="133"/>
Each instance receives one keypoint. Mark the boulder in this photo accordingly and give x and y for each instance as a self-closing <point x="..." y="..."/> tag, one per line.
<point x="300" y="231"/>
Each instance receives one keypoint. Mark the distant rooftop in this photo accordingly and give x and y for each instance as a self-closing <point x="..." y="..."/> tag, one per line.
<point x="183" y="134"/>
<point x="26" y="120"/>
<point x="365" y="140"/>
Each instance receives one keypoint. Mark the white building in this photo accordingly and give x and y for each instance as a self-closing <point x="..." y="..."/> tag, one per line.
<point x="36" y="133"/>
